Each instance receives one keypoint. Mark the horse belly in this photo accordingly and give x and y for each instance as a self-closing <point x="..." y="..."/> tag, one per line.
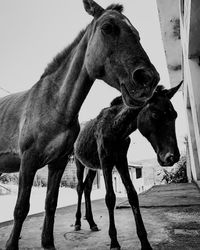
<point x="90" y="161"/>
<point x="87" y="154"/>
<point x="9" y="163"/>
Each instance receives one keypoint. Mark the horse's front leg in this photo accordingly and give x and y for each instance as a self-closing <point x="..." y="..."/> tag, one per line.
<point x="28" y="168"/>
<point x="54" y="176"/>
<point x="110" y="199"/>
<point x="122" y="167"/>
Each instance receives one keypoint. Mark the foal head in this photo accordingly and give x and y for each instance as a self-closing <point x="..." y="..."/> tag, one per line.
<point x="156" y="122"/>
<point x="115" y="55"/>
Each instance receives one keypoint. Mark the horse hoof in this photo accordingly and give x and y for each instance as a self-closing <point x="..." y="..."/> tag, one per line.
<point x="11" y="247"/>
<point x="115" y="246"/>
<point x="147" y="248"/>
<point x="94" y="229"/>
<point x="48" y="246"/>
<point x="77" y="228"/>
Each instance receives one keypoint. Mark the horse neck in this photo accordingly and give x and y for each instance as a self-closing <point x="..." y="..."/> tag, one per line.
<point x="126" y="121"/>
<point x="75" y="82"/>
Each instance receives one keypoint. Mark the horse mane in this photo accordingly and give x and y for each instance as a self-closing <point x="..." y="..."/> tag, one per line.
<point x="116" y="101"/>
<point x="62" y="56"/>
<point x="117" y="7"/>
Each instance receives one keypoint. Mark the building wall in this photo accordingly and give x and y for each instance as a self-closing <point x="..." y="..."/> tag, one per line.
<point x="188" y="47"/>
<point x="170" y="30"/>
<point x="190" y="38"/>
<point x="137" y="182"/>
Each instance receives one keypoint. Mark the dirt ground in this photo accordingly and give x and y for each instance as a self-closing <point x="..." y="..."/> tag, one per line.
<point x="171" y="214"/>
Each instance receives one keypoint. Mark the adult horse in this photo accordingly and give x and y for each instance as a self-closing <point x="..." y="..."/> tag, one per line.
<point x="103" y="143"/>
<point x="39" y="126"/>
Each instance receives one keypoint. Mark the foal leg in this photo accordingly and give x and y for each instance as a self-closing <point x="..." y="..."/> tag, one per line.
<point x="27" y="172"/>
<point x="80" y="187"/>
<point x="54" y="176"/>
<point x="122" y="167"/>
<point x="87" y="191"/>
<point x="110" y="198"/>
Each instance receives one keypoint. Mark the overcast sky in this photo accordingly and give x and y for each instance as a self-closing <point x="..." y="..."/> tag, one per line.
<point x="32" y="32"/>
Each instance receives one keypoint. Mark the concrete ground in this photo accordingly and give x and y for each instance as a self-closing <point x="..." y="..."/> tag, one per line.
<point x="171" y="214"/>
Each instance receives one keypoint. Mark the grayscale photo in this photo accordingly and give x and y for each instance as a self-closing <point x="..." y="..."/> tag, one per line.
<point x="100" y="125"/>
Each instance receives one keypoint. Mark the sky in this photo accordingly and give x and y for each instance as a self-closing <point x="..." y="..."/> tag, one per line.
<point x="33" y="32"/>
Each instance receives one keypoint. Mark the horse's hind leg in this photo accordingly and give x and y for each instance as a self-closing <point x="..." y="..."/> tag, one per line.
<point x="27" y="172"/>
<point x="87" y="191"/>
<point x="56" y="170"/>
<point x="122" y="167"/>
<point x="80" y="187"/>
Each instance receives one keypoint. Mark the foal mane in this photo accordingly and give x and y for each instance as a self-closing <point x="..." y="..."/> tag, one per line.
<point x="62" y="56"/>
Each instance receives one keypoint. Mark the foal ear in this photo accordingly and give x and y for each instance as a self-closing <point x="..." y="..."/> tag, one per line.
<point x="171" y="92"/>
<point x="93" y="8"/>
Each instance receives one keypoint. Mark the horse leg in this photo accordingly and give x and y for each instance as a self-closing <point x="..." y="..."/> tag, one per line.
<point x="122" y="167"/>
<point x="27" y="172"/>
<point x="55" y="173"/>
<point x="80" y="187"/>
<point x="110" y="198"/>
<point x="87" y="191"/>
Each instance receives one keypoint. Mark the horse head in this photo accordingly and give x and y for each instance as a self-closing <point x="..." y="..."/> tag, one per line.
<point x="115" y="55"/>
<point x="156" y="122"/>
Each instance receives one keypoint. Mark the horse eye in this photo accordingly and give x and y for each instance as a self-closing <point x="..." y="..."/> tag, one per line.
<point x="155" y="116"/>
<point x="107" y="28"/>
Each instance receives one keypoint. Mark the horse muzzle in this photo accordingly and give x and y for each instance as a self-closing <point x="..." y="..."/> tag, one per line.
<point x="130" y="100"/>
<point x="141" y="87"/>
<point x="169" y="159"/>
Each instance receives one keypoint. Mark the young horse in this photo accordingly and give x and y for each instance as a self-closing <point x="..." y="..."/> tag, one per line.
<point x="39" y="126"/>
<point x="103" y="144"/>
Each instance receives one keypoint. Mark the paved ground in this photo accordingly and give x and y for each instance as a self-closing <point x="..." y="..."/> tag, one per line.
<point x="171" y="214"/>
<point x="67" y="197"/>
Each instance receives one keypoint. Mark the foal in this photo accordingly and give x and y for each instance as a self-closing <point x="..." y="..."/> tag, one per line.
<point x="103" y="143"/>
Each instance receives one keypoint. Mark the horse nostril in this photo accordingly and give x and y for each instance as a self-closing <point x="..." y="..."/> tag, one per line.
<point x="141" y="76"/>
<point x="169" y="158"/>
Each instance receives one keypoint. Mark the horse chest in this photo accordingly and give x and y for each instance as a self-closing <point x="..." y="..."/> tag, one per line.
<point x="59" y="145"/>
<point x="56" y="143"/>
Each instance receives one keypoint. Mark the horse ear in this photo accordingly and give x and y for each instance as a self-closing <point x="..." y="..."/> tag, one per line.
<point x="93" y="8"/>
<point x="171" y="92"/>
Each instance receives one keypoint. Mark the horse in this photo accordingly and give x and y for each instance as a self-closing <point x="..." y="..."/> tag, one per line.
<point x="39" y="126"/>
<point x="103" y="143"/>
